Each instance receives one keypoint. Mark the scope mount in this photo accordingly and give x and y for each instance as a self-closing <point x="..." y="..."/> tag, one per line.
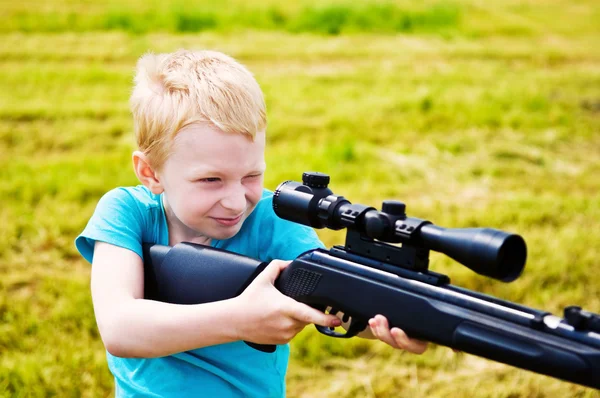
<point x="408" y="261"/>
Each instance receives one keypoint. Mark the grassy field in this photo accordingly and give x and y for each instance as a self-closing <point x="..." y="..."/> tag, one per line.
<point x="473" y="114"/>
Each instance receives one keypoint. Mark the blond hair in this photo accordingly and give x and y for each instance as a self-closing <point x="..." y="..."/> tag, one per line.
<point x="174" y="90"/>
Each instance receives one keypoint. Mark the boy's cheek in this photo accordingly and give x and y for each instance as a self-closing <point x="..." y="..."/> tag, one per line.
<point x="256" y="191"/>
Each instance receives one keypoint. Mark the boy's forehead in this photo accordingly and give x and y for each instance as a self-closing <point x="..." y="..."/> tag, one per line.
<point x="207" y="132"/>
<point x="206" y="168"/>
<point x="235" y="165"/>
<point x="204" y="148"/>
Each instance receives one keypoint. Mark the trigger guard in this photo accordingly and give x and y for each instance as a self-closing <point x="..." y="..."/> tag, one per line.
<point x="331" y="333"/>
<point x="356" y="326"/>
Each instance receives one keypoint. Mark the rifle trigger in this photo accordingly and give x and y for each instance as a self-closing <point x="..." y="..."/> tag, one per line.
<point x="333" y="311"/>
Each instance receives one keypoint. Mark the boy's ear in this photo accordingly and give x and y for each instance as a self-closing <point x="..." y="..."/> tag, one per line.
<point x="145" y="173"/>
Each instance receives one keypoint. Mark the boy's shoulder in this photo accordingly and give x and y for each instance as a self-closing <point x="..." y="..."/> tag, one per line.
<point x="125" y="217"/>
<point x="139" y="195"/>
<point x="138" y="200"/>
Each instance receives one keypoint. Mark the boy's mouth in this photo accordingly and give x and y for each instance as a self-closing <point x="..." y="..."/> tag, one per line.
<point x="228" y="222"/>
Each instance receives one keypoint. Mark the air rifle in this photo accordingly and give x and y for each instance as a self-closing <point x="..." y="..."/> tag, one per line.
<point x="369" y="276"/>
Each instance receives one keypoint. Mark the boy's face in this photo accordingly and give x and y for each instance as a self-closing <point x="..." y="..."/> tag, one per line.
<point x="212" y="181"/>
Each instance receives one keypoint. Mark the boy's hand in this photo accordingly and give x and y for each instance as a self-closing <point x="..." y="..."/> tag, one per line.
<point x="269" y="317"/>
<point x="379" y="328"/>
<point x="395" y="337"/>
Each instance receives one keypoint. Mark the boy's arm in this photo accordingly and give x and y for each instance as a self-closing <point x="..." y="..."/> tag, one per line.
<point x="131" y="326"/>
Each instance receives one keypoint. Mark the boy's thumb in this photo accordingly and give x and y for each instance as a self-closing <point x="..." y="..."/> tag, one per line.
<point x="273" y="270"/>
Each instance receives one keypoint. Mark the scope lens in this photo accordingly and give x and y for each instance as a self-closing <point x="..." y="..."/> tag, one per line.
<point x="291" y="202"/>
<point x="512" y="255"/>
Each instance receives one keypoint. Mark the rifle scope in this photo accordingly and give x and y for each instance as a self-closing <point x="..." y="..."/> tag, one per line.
<point x="486" y="251"/>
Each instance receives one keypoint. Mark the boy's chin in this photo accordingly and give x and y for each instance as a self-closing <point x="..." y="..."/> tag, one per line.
<point x="222" y="236"/>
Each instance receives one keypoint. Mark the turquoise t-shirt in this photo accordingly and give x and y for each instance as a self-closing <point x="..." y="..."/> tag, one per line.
<point x="128" y="217"/>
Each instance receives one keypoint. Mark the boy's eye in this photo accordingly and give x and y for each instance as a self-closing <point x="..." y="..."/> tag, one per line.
<point x="209" y="179"/>
<point x="252" y="176"/>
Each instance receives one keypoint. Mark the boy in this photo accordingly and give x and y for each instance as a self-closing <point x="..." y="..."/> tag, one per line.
<point x="200" y="127"/>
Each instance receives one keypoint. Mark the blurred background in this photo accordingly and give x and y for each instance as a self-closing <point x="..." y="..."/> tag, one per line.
<point x="473" y="113"/>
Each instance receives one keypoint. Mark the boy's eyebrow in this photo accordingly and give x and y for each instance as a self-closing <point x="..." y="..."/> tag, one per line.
<point x="212" y="171"/>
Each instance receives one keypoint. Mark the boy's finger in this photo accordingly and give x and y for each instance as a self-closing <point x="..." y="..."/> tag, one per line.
<point x="412" y="345"/>
<point x="381" y="331"/>
<point x="304" y="313"/>
<point x="395" y="337"/>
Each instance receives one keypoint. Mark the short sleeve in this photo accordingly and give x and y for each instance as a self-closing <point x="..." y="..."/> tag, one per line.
<point x="117" y="220"/>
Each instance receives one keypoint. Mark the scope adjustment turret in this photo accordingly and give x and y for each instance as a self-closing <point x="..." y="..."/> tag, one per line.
<point x="394" y="208"/>
<point x="315" y="179"/>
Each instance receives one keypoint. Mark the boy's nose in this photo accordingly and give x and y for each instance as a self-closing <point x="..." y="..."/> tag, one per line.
<point x="235" y="199"/>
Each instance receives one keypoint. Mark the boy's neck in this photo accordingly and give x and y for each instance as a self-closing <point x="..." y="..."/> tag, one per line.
<point x="176" y="237"/>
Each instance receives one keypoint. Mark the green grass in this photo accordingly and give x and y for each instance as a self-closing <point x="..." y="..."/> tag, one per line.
<point x="437" y="17"/>
<point x="178" y="16"/>
<point x="475" y="116"/>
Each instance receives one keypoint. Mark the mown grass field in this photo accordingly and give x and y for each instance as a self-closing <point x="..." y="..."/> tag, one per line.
<point x="474" y="114"/>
